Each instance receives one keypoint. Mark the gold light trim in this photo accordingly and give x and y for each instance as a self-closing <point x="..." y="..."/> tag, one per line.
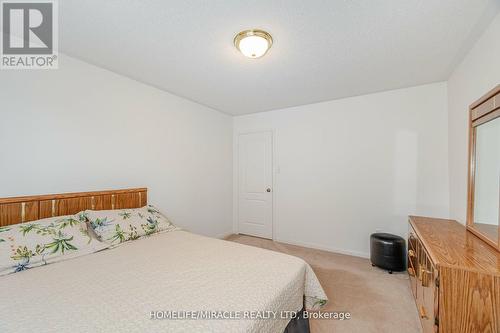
<point x="253" y="32"/>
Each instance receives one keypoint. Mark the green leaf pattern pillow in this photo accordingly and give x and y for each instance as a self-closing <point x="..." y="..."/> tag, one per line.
<point x="117" y="226"/>
<point x="40" y="242"/>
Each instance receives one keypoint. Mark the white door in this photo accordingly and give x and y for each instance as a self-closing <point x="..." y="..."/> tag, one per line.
<point x="255" y="173"/>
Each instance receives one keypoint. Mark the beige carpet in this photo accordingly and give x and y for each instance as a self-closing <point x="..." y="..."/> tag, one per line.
<point x="377" y="301"/>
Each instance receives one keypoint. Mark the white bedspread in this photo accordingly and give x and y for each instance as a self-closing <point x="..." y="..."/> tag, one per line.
<point x="116" y="290"/>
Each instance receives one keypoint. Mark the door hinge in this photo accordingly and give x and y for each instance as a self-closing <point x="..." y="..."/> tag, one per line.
<point x="436" y="282"/>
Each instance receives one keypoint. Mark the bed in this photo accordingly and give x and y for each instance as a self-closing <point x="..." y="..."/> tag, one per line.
<point x="167" y="282"/>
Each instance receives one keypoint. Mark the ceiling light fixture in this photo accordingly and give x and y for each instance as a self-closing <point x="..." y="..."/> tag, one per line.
<point x="253" y="43"/>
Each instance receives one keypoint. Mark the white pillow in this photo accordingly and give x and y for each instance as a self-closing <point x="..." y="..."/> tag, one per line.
<point x="40" y="242"/>
<point x="121" y="225"/>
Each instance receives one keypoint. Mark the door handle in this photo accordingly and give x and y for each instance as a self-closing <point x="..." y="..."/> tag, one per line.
<point x="268" y="189"/>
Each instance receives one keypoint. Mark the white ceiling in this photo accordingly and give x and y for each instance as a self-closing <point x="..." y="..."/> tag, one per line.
<point x="322" y="50"/>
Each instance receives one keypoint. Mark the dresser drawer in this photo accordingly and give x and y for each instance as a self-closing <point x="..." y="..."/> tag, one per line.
<point x="422" y="274"/>
<point x="428" y="311"/>
<point x="412" y="239"/>
<point x="412" y="271"/>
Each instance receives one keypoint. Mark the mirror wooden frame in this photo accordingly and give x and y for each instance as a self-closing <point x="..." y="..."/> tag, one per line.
<point x="481" y="111"/>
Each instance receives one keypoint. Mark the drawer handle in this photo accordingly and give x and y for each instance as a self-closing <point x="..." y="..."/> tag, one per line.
<point x="422" y="272"/>
<point x="423" y="315"/>
<point x="411" y="271"/>
<point x="411" y="253"/>
<point x="425" y="277"/>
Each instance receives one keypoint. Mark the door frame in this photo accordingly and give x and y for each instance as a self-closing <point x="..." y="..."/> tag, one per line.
<point x="236" y="178"/>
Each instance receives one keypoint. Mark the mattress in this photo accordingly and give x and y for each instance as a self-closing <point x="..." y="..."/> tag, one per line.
<point x="160" y="284"/>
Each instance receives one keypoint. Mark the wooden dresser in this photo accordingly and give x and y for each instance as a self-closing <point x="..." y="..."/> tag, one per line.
<point x="454" y="277"/>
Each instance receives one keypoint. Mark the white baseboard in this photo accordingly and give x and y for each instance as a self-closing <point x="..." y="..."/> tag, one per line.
<point x="224" y="235"/>
<point x="325" y="248"/>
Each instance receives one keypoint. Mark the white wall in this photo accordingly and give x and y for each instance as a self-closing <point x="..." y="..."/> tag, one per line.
<point x="83" y="128"/>
<point x="346" y="168"/>
<point x="477" y="74"/>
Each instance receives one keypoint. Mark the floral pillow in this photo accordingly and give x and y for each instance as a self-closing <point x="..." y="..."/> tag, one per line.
<point x="45" y="241"/>
<point x="121" y="225"/>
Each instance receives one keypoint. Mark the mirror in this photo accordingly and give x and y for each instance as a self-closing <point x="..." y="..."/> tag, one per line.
<point x="484" y="169"/>
<point x="487" y="173"/>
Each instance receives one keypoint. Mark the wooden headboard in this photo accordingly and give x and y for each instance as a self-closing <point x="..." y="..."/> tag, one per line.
<point x="24" y="209"/>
